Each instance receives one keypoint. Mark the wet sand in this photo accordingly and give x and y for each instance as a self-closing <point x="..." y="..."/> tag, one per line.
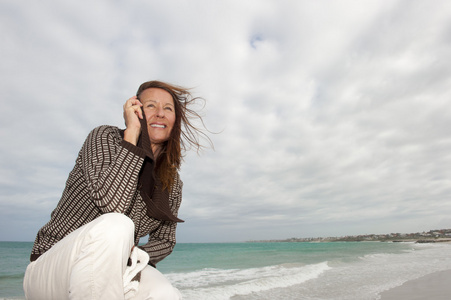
<point x="435" y="286"/>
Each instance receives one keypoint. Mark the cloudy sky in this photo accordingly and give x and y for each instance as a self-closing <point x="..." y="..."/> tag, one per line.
<point x="331" y="117"/>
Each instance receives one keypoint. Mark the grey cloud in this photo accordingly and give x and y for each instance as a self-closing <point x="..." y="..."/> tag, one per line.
<point x="333" y="120"/>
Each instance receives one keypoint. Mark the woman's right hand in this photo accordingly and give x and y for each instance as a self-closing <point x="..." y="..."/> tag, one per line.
<point x="132" y="114"/>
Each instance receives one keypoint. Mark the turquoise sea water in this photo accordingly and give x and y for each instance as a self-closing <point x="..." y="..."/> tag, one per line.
<point x="339" y="270"/>
<point x="14" y="258"/>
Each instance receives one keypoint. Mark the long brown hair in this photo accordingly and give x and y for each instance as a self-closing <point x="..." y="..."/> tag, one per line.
<point x="184" y="134"/>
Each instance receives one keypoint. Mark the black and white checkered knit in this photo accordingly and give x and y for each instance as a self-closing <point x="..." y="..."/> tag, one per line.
<point x="105" y="179"/>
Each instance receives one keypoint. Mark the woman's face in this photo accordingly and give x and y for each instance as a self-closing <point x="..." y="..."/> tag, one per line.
<point x="160" y="114"/>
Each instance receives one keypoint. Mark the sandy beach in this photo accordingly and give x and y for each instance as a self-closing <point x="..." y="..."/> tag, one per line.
<point x="435" y="286"/>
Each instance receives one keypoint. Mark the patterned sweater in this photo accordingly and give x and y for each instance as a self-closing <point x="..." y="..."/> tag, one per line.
<point x="103" y="180"/>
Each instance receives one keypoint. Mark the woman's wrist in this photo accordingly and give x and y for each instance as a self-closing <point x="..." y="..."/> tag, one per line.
<point x="132" y="135"/>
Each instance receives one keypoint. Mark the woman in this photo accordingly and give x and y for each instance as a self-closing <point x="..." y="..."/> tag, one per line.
<point x="124" y="185"/>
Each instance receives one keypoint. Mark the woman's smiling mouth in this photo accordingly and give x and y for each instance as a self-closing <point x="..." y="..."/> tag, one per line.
<point x="157" y="125"/>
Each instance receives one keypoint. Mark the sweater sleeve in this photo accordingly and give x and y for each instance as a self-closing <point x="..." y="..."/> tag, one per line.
<point x="111" y="168"/>
<point x="162" y="241"/>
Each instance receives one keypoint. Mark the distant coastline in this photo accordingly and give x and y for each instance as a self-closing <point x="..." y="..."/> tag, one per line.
<point x="432" y="236"/>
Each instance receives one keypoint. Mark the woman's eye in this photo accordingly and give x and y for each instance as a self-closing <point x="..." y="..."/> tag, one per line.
<point x="168" y="108"/>
<point x="150" y="105"/>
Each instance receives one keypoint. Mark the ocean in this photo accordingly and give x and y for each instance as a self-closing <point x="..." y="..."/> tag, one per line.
<point x="238" y="271"/>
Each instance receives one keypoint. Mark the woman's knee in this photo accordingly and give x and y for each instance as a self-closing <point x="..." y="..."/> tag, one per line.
<point x="114" y="226"/>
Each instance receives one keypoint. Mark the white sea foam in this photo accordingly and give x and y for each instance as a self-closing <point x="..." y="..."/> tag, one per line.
<point x="217" y="284"/>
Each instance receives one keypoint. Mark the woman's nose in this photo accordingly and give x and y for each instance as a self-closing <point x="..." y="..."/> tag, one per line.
<point x="160" y="112"/>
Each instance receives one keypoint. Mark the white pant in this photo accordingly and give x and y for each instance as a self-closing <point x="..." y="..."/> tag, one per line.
<point x="90" y="263"/>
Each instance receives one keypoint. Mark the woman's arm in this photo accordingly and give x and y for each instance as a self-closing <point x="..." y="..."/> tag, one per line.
<point x="162" y="241"/>
<point x="111" y="168"/>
